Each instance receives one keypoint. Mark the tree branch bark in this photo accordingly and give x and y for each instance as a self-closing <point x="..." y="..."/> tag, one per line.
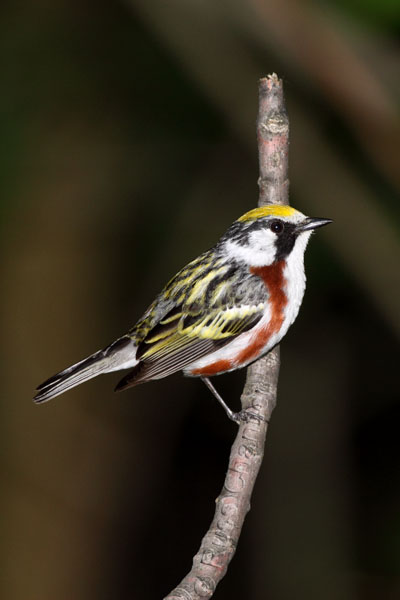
<point x="259" y="395"/>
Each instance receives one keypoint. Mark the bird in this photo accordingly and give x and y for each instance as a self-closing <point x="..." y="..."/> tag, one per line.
<point x="225" y="309"/>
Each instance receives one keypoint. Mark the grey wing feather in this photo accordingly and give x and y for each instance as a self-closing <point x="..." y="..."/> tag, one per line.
<point x="175" y="332"/>
<point x="164" y="355"/>
<point x="171" y="363"/>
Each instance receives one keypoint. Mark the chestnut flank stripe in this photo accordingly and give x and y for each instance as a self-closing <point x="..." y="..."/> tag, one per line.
<point x="274" y="282"/>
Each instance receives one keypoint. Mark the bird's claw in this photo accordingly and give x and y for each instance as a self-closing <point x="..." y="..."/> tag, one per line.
<point x="245" y="415"/>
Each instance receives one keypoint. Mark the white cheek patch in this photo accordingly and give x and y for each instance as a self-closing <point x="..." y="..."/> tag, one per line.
<point x="259" y="252"/>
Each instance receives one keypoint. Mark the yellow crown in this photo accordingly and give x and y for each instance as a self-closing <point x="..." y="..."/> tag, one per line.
<point x="272" y="210"/>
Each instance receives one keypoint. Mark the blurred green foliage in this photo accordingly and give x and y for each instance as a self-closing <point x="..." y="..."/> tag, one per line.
<point x="384" y="14"/>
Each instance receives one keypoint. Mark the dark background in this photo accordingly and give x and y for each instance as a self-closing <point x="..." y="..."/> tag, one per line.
<point x="127" y="147"/>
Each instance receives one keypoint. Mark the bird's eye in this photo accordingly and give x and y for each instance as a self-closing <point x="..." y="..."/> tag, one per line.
<point x="276" y="226"/>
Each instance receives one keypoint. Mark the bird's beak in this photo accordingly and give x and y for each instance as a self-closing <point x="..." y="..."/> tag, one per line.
<point x="312" y="223"/>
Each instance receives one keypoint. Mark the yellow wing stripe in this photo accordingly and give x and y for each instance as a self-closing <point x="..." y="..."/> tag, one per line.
<point x="174" y="317"/>
<point x="215" y="326"/>
<point x="170" y="345"/>
<point x="189" y="274"/>
<point x="200" y="287"/>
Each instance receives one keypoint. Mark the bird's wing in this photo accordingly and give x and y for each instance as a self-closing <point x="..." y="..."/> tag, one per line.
<point x="186" y="334"/>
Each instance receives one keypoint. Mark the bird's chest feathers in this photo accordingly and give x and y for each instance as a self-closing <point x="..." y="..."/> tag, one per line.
<point x="285" y="284"/>
<point x="275" y="283"/>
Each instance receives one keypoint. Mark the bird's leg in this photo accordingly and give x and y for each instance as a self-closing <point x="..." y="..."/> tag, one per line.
<point x="243" y="415"/>
<point x="232" y="415"/>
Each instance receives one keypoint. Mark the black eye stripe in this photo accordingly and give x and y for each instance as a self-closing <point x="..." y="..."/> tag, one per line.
<point x="285" y="241"/>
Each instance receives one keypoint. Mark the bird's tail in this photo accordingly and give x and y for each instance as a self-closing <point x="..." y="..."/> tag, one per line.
<point x="119" y="355"/>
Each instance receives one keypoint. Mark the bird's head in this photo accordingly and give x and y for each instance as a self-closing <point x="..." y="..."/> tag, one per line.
<point x="268" y="234"/>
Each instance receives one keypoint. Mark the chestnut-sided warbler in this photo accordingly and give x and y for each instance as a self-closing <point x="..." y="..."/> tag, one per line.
<point x="224" y="310"/>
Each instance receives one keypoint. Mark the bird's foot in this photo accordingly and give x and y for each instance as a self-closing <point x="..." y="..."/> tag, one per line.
<point x="245" y="416"/>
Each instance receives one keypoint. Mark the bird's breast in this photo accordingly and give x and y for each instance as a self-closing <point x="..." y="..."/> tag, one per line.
<point x="275" y="282"/>
<point x="252" y="344"/>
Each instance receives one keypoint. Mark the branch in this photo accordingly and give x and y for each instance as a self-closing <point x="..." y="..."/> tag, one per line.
<point x="219" y="544"/>
<point x="273" y="142"/>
